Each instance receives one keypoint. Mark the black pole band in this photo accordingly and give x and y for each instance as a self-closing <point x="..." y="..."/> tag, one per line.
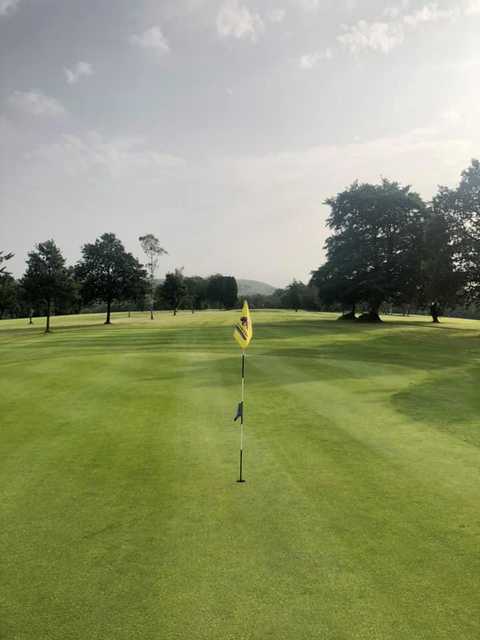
<point x="243" y="365"/>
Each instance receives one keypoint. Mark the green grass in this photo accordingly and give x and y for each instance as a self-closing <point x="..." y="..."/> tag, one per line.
<point x="120" y="517"/>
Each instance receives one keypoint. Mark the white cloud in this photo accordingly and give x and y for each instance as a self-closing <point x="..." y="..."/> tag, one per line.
<point x="309" y="60"/>
<point x="36" y="103"/>
<point x="451" y="117"/>
<point x="152" y="39"/>
<point x="378" y="36"/>
<point x="7" y="7"/>
<point x="93" y="153"/>
<point x="308" y="5"/>
<point x="472" y="7"/>
<point x="430" y="13"/>
<point x="277" y="15"/>
<point x="80" y="69"/>
<point x="237" y="21"/>
<point x="384" y="36"/>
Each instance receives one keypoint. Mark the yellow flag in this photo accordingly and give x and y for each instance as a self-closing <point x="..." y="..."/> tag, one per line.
<point x="243" y="331"/>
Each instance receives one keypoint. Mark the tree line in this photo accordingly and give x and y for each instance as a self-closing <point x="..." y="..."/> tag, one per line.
<point x="390" y="250"/>
<point x="109" y="276"/>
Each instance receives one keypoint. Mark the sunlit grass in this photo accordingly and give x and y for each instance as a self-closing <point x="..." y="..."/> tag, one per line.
<point x="120" y="514"/>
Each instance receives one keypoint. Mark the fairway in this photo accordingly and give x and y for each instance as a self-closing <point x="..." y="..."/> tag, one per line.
<point x="120" y="517"/>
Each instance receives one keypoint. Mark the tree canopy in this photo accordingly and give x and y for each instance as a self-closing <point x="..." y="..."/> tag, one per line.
<point x="107" y="272"/>
<point x="47" y="280"/>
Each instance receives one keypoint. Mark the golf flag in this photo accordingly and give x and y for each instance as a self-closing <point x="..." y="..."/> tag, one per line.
<point x="243" y="331"/>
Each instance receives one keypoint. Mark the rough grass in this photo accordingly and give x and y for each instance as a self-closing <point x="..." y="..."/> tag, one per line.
<point x="121" y="519"/>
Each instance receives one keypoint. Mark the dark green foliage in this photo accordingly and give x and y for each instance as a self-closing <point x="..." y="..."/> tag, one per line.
<point x="442" y="281"/>
<point x="3" y="258"/>
<point x="461" y="207"/>
<point x="47" y="281"/>
<point x="222" y="291"/>
<point x="173" y="290"/>
<point x="8" y="294"/>
<point x="196" y="297"/>
<point x="229" y="292"/>
<point x="374" y="254"/>
<point x="294" y="295"/>
<point x="107" y="272"/>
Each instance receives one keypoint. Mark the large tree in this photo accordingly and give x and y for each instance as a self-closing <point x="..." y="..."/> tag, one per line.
<point x="108" y="273"/>
<point x="376" y="245"/>
<point x="8" y="294"/>
<point x="47" y="280"/>
<point x="153" y="250"/>
<point x="173" y="290"/>
<point x="293" y="296"/>
<point x="461" y="208"/>
<point x="229" y="292"/>
<point x="442" y="279"/>
<point x="196" y="292"/>
<point x="7" y="284"/>
<point x="3" y="258"/>
<point x="222" y="291"/>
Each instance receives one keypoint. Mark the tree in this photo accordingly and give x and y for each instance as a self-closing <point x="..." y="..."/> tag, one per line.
<point x="376" y="246"/>
<point x="3" y="258"/>
<point x="174" y="290"/>
<point x="461" y="208"/>
<point x="107" y="272"/>
<point x="46" y="281"/>
<point x="293" y="296"/>
<point x="152" y="249"/>
<point x="335" y="283"/>
<point x="8" y="294"/>
<point x="196" y="292"/>
<point x="229" y="292"/>
<point x="7" y="284"/>
<point x="215" y="290"/>
<point x="442" y="281"/>
<point x="222" y="291"/>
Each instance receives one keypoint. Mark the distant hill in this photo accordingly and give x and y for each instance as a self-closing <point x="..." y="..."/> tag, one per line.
<point x="251" y="287"/>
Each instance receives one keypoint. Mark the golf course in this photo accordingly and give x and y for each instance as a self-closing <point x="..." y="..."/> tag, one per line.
<point x="121" y="517"/>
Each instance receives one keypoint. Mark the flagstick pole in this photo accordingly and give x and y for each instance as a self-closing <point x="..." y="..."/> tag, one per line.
<point x="241" y="418"/>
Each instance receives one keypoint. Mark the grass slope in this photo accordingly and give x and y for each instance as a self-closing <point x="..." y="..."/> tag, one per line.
<point x="121" y="519"/>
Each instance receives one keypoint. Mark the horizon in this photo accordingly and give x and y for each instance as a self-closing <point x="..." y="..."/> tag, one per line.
<point x="222" y="126"/>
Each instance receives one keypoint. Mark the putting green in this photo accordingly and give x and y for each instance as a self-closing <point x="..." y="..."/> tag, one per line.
<point x="119" y="511"/>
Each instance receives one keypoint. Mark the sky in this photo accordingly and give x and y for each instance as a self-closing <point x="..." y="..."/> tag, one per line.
<point x="221" y="126"/>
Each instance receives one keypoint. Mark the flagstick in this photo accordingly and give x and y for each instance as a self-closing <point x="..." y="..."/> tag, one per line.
<point x="241" y="417"/>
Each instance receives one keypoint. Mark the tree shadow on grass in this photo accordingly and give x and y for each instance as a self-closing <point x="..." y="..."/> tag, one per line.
<point x="433" y="403"/>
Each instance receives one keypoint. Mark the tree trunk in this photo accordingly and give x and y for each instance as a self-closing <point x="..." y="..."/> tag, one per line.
<point x="47" y="328"/>
<point x="30" y="319"/>
<point x="372" y="315"/>
<point x="175" y="311"/>
<point x="109" y="304"/>
<point x="350" y="315"/>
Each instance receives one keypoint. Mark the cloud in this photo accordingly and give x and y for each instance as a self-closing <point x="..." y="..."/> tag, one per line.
<point x="36" y="103"/>
<point x="77" y="154"/>
<point x="237" y="21"/>
<point x="377" y="36"/>
<point x="152" y="39"/>
<point x="383" y="36"/>
<point x="430" y="13"/>
<point x="309" y="60"/>
<point x="308" y="5"/>
<point x="277" y="15"/>
<point x="7" y="7"/>
<point x="472" y="7"/>
<point x="80" y="69"/>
